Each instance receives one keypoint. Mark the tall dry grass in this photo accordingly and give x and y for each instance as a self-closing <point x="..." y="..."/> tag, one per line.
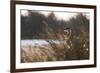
<point x="50" y="52"/>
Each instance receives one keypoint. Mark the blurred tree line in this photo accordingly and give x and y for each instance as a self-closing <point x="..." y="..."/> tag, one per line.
<point x="38" y="26"/>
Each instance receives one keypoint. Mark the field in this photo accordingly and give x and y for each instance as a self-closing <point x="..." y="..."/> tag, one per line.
<point x="48" y="50"/>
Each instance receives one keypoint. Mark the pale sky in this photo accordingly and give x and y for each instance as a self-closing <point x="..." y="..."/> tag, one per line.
<point x="59" y="15"/>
